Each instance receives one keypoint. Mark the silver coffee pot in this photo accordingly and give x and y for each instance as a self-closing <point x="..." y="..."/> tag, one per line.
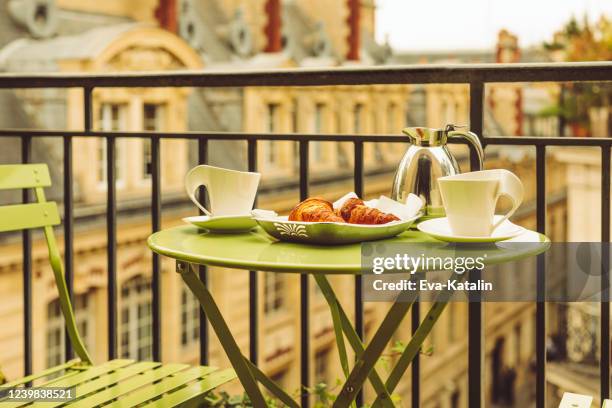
<point x="427" y="159"/>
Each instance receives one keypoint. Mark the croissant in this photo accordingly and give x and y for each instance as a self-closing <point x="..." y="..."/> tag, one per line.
<point x="354" y="211"/>
<point x="314" y="210"/>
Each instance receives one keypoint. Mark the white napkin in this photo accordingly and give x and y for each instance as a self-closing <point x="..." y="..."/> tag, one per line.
<point x="258" y="213"/>
<point x="403" y="211"/>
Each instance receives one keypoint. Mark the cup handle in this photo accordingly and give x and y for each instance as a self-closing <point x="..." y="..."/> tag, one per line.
<point x="512" y="187"/>
<point x="192" y="183"/>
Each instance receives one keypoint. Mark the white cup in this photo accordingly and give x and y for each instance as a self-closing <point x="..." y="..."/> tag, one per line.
<point x="470" y="199"/>
<point x="230" y="192"/>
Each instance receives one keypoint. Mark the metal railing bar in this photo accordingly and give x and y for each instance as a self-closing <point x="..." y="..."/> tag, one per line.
<point x="68" y="221"/>
<point x="202" y="269"/>
<point x="604" y="357"/>
<point x="359" y="190"/>
<point x="68" y="232"/>
<point x="387" y="138"/>
<point x="541" y="280"/>
<point x="156" y="261"/>
<point x="407" y="74"/>
<point x="304" y="290"/>
<point x="253" y="276"/>
<point x="390" y="138"/>
<point x="26" y="155"/>
<point x="111" y="233"/>
<point x="475" y="309"/>
<point x="415" y="380"/>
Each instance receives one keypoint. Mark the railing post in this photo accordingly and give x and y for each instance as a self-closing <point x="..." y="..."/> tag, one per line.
<point x="253" y="277"/>
<point x="202" y="269"/>
<point x="604" y="360"/>
<point x="304" y="291"/>
<point x="156" y="264"/>
<point x="26" y="152"/>
<point x="415" y="321"/>
<point x="359" y="190"/>
<point x="475" y="310"/>
<point x="541" y="279"/>
<point x="111" y="236"/>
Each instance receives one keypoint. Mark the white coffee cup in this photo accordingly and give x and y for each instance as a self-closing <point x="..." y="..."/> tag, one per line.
<point x="230" y="192"/>
<point x="470" y="199"/>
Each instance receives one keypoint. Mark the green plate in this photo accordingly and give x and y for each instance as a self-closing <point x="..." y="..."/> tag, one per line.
<point x="256" y="250"/>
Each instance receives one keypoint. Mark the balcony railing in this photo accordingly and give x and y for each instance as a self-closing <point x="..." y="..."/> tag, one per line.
<point x="476" y="76"/>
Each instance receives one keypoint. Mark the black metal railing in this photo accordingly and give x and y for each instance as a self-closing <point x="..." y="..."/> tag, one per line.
<point x="476" y="76"/>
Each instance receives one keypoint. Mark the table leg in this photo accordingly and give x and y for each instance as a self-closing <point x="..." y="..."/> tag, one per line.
<point x="342" y="324"/>
<point x="417" y="340"/>
<point x="365" y="363"/>
<point x="412" y="348"/>
<point x="244" y="373"/>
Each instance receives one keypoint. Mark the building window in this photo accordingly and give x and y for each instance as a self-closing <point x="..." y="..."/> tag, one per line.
<point x="455" y="401"/>
<point x="56" y="337"/>
<point x="392" y="118"/>
<point x="270" y="147"/>
<point x="295" y="128"/>
<point x="316" y="149"/>
<point x="321" y="366"/>
<point x="136" y="329"/>
<point x="273" y="292"/>
<point x="451" y="322"/>
<point x="517" y="340"/>
<point x="294" y="116"/>
<point x="357" y="118"/>
<point x="151" y="122"/>
<point x="190" y="317"/>
<point x="112" y="119"/>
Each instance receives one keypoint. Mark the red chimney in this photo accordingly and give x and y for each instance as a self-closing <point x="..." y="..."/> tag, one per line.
<point x="354" y="34"/>
<point x="165" y="13"/>
<point x="273" y="26"/>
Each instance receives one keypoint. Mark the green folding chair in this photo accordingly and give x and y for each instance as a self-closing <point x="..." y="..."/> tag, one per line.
<point x="121" y="382"/>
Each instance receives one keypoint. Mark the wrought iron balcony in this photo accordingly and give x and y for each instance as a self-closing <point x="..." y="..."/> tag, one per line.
<point x="475" y="76"/>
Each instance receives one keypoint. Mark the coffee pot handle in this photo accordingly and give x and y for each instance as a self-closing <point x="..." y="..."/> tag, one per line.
<point x="472" y="139"/>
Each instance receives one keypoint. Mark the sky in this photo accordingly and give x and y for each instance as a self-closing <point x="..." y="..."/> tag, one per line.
<point x="473" y="24"/>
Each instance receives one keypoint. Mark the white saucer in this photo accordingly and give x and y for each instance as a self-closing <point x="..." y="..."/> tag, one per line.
<point x="223" y="223"/>
<point x="439" y="228"/>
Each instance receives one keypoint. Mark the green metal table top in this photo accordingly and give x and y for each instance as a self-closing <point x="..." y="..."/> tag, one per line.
<point x="256" y="250"/>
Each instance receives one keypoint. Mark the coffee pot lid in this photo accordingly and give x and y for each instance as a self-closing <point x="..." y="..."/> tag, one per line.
<point x="424" y="136"/>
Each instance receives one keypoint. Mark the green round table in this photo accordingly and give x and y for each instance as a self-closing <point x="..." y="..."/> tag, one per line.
<point x="256" y="250"/>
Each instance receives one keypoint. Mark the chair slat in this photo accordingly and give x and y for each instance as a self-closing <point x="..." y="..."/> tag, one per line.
<point x="129" y="385"/>
<point x="97" y="384"/>
<point x="193" y="391"/>
<point x="24" y="216"/>
<point x="92" y="372"/>
<point x="14" y="176"/>
<point x="71" y="380"/>
<point x="42" y="374"/>
<point x="168" y="384"/>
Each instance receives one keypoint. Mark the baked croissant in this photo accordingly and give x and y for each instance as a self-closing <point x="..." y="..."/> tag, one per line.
<point x="314" y="210"/>
<point x="354" y="211"/>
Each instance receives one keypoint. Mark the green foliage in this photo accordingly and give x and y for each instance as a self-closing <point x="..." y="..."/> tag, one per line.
<point x="324" y="394"/>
